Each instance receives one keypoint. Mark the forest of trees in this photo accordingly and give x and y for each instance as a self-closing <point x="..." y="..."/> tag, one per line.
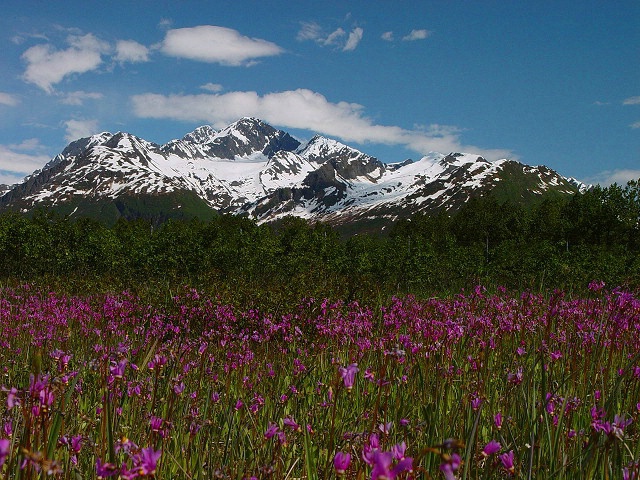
<point x="558" y="243"/>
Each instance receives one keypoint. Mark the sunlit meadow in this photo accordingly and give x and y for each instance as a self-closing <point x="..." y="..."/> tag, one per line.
<point x="475" y="386"/>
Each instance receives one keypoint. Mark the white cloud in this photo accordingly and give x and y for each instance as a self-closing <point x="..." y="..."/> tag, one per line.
<point x="619" y="176"/>
<point x="354" y="39"/>
<point x="29" y="145"/>
<point x="337" y="38"/>
<point x="334" y="37"/>
<point x="632" y="101"/>
<point x="387" y="36"/>
<point x="310" y="31"/>
<point x="47" y="66"/>
<point x="212" y="87"/>
<point x="80" y="129"/>
<point x="8" y="99"/>
<point x="21" y="38"/>
<point x="303" y="109"/>
<point x="15" y="165"/>
<point x="131" y="51"/>
<point x="416" y="35"/>
<point x="212" y="44"/>
<point x="635" y="125"/>
<point x="165" y="23"/>
<point x="78" y="97"/>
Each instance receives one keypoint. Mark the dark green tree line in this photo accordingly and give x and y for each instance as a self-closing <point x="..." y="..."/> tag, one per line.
<point x="556" y="243"/>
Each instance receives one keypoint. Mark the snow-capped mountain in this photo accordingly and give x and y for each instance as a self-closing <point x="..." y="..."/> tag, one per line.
<point x="254" y="169"/>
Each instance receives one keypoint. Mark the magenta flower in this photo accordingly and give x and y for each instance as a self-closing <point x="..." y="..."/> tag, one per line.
<point x="507" y="462"/>
<point x="369" y="449"/>
<point x="7" y="428"/>
<point x="369" y="375"/>
<point x="12" y="398"/>
<point x="5" y="448"/>
<point x="341" y="462"/>
<point x="178" y="388"/>
<point x="399" y="451"/>
<point x="556" y="355"/>
<point x="450" y="465"/>
<point x="158" y="361"/>
<point x="149" y="461"/>
<point x="117" y="369"/>
<point x="291" y="423"/>
<point x="348" y="375"/>
<point x="155" y="423"/>
<point x="76" y="443"/>
<point x="490" y="448"/>
<point x="104" y="470"/>
<point x="271" y="430"/>
<point x="385" y="428"/>
<point x="382" y="466"/>
<point x="498" y="420"/>
<point x="125" y="445"/>
<point x="515" y="377"/>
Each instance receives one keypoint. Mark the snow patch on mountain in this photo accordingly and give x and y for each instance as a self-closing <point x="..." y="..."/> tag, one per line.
<point x="251" y="168"/>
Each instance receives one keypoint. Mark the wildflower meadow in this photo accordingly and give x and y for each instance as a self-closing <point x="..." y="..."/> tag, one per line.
<point x="477" y="385"/>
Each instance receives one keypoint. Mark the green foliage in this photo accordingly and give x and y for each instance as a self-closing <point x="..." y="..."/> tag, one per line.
<point x="555" y="243"/>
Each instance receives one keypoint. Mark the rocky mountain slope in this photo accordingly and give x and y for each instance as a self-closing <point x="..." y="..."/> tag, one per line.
<point x="253" y="169"/>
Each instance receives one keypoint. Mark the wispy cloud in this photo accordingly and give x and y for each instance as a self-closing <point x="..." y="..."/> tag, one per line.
<point x="29" y="145"/>
<point x="354" y="40"/>
<point x="387" y="36"/>
<point x="334" y="37"/>
<point x="18" y="161"/>
<point x="619" y="176"/>
<point x="307" y="110"/>
<point x="47" y="66"/>
<point x="213" y="44"/>
<point x="22" y="37"/>
<point x="131" y="51"/>
<point x="310" y="31"/>
<point x="212" y="87"/>
<point x="338" y="38"/>
<point x="78" y="97"/>
<point x="80" y="128"/>
<point x="633" y="101"/>
<point x="8" y="99"/>
<point x="165" y="23"/>
<point x="416" y="35"/>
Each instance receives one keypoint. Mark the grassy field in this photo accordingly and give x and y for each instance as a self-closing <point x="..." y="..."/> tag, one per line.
<point x="473" y="386"/>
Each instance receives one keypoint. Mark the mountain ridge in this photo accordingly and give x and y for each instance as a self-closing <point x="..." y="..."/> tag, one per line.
<point x="251" y="168"/>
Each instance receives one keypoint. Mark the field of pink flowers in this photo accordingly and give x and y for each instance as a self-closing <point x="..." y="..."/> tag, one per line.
<point x="474" y="386"/>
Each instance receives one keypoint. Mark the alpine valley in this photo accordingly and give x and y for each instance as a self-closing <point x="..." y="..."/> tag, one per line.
<point x="250" y="168"/>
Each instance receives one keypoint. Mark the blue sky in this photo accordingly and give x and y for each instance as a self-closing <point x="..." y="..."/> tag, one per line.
<point x="545" y="82"/>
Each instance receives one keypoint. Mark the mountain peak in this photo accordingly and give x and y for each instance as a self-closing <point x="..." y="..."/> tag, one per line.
<point x="250" y="121"/>
<point x="78" y="146"/>
<point x="252" y="168"/>
<point x="320" y="148"/>
<point x="462" y="158"/>
<point x="203" y="134"/>
<point x="250" y="135"/>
